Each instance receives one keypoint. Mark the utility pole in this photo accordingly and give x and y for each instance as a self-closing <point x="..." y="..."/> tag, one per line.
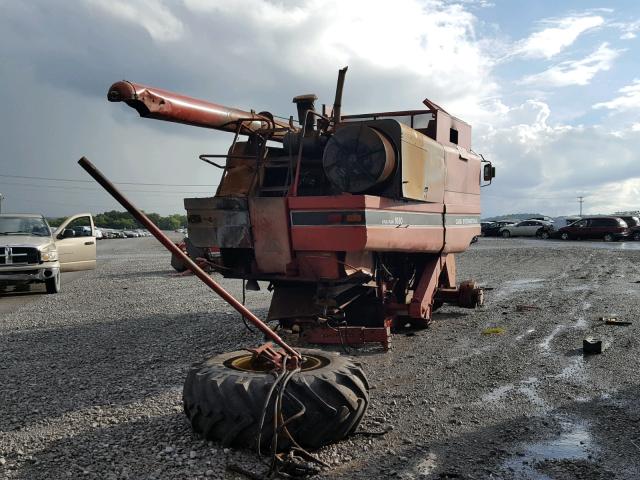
<point x="1" y="198"/>
<point x="580" y="201"/>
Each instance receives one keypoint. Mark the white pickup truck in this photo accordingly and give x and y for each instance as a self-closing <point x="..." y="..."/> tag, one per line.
<point x="31" y="253"/>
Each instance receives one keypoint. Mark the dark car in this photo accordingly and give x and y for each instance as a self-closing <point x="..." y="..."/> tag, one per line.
<point x="606" y="228"/>
<point x="494" y="229"/>
<point x="633" y="223"/>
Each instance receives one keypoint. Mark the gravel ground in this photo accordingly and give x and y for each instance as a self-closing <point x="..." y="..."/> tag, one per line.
<point x="91" y="378"/>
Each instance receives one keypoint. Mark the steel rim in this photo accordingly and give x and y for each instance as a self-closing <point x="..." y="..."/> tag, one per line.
<point x="245" y="363"/>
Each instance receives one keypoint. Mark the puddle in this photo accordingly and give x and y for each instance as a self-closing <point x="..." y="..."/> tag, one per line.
<point x="528" y="332"/>
<point x="574" y="444"/>
<point x="515" y="286"/>
<point x="546" y="343"/>
<point x="578" y="288"/>
<point x="427" y="465"/>
<point x="497" y="393"/>
<point x="526" y="388"/>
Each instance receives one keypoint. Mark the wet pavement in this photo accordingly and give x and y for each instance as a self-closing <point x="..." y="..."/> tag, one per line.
<point x="92" y="377"/>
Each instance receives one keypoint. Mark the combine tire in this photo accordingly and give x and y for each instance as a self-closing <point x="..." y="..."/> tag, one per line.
<point x="177" y="263"/>
<point x="193" y="251"/>
<point x="224" y="399"/>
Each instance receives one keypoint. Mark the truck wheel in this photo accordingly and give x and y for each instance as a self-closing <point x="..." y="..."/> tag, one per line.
<point x="53" y="284"/>
<point x="224" y="400"/>
<point x="506" y="234"/>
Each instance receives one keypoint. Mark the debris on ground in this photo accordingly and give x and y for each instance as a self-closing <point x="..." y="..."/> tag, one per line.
<point x="614" y="321"/>
<point x="591" y="345"/>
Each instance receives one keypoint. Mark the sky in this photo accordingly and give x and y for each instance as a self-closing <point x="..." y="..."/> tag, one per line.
<point x="551" y="89"/>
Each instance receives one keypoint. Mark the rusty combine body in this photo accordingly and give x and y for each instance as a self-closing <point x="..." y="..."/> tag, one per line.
<point x="353" y="220"/>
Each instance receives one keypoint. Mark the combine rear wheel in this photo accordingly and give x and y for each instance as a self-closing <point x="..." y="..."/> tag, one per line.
<point x="224" y="398"/>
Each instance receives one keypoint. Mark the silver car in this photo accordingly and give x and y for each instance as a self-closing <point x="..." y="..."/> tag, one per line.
<point x="528" y="228"/>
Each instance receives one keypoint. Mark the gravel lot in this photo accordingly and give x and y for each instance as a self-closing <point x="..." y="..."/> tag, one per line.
<point x="91" y="378"/>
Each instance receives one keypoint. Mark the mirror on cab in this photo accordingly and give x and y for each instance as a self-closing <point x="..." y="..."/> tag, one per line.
<point x="489" y="172"/>
<point x="78" y="227"/>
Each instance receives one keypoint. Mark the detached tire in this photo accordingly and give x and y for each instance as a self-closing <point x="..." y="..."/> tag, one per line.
<point x="224" y="399"/>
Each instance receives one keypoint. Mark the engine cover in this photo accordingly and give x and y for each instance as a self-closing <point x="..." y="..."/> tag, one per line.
<point x="357" y="158"/>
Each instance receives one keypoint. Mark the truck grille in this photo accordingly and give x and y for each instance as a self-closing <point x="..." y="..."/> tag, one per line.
<point x="19" y="255"/>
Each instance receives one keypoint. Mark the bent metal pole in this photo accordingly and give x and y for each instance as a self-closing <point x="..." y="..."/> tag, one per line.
<point x="169" y="245"/>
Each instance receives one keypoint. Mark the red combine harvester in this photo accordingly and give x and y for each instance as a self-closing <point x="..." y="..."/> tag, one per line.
<point x="353" y="220"/>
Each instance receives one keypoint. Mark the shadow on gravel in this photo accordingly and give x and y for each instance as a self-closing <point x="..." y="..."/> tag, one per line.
<point x="597" y="439"/>
<point x="153" y="448"/>
<point x="162" y="273"/>
<point x="581" y="440"/>
<point x="36" y="290"/>
<point x="46" y="373"/>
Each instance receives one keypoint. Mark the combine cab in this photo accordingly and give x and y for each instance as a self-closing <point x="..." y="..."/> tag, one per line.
<point x="353" y="221"/>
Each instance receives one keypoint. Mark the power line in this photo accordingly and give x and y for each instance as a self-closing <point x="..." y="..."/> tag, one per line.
<point x="119" y="183"/>
<point x="97" y="189"/>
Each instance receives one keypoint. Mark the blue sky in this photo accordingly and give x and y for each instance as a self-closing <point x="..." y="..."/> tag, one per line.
<point x="552" y="89"/>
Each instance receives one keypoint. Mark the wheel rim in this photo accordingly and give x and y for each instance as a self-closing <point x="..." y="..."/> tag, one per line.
<point x="608" y="238"/>
<point x="245" y="363"/>
<point x="565" y="236"/>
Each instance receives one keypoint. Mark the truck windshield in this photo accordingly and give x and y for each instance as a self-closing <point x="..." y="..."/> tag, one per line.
<point x="24" y="226"/>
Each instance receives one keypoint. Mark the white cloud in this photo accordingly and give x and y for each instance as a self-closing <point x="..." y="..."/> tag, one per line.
<point x="152" y="15"/>
<point x="559" y="35"/>
<point x="543" y="165"/>
<point x="575" y="72"/>
<point x="431" y="42"/>
<point x="628" y="30"/>
<point x="629" y="100"/>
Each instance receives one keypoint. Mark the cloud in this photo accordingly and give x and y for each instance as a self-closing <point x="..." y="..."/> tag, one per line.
<point x="560" y="34"/>
<point x="429" y="48"/>
<point x="152" y="15"/>
<point x="629" y="100"/>
<point x="543" y="165"/>
<point x="575" y="72"/>
<point x="628" y="30"/>
<point x="59" y="59"/>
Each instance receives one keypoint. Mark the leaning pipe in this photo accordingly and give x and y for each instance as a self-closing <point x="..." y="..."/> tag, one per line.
<point x="191" y="265"/>
<point x="151" y="102"/>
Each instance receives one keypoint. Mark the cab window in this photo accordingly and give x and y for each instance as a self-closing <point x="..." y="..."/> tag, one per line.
<point x="81" y="227"/>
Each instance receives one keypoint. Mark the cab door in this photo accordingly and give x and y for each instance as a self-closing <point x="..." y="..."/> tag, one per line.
<point x="76" y="243"/>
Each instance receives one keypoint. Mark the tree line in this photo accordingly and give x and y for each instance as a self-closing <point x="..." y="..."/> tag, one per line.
<point x="124" y="220"/>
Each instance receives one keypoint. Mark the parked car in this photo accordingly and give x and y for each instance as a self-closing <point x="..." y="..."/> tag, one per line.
<point x="633" y="223"/>
<point x="485" y="225"/>
<point x="528" y="228"/>
<point x="542" y="218"/>
<point x="606" y="228"/>
<point x="494" y="230"/>
<point x="31" y="253"/>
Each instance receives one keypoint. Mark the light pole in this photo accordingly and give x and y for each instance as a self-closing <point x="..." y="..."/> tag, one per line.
<point x="580" y="201"/>
<point x="1" y="198"/>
